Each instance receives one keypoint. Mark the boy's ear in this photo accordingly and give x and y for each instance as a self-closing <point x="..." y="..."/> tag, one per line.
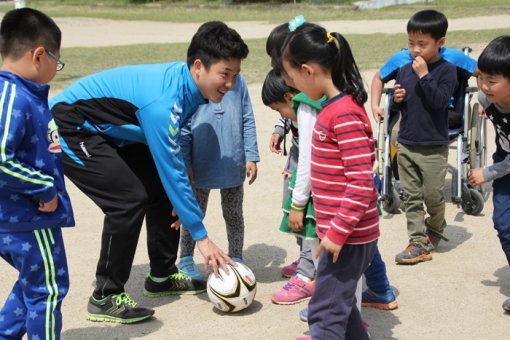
<point x="197" y="67"/>
<point x="441" y="41"/>
<point x="288" y="96"/>
<point x="37" y="54"/>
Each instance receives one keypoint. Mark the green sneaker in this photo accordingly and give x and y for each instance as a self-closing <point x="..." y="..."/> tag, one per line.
<point x="414" y="253"/>
<point x="176" y="284"/>
<point x="118" y="308"/>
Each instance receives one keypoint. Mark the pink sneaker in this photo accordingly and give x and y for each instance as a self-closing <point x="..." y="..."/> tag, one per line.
<point x="304" y="337"/>
<point x="296" y="290"/>
<point x="290" y="269"/>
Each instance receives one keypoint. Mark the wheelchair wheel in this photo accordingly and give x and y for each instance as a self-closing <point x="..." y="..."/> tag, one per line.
<point x="391" y="203"/>
<point x="478" y="144"/>
<point x="477" y="140"/>
<point x="472" y="205"/>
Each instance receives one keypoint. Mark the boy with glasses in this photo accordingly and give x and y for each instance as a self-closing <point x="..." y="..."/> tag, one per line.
<point x="34" y="204"/>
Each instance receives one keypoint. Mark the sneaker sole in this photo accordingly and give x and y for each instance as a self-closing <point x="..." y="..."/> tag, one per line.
<point x="302" y="318"/>
<point x="108" y="318"/>
<point x="378" y="305"/>
<point x="290" y="302"/>
<point x="421" y="258"/>
<point x="173" y="292"/>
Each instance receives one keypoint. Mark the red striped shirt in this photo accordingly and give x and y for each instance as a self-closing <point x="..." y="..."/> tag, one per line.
<point x="343" y="154"/>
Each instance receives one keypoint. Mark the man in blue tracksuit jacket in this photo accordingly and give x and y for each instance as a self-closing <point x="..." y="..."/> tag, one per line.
<point x="120" y="132"/>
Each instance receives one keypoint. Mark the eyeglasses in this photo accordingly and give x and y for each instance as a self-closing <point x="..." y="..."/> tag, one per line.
<point x="60" y="63"/>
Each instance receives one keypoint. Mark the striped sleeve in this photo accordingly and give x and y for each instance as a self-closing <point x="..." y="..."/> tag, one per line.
<point x="18" y="176"/>
<point x="355" y="144"/>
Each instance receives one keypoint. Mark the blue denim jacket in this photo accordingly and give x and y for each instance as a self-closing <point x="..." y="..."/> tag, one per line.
<point x="222" y="140"/>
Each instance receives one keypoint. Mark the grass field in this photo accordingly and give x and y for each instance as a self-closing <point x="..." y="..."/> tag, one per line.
<point x="370" y="51"/>
<point x="200" y="11"/>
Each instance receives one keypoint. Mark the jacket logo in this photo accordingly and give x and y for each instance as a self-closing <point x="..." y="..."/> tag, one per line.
<point x="53" y="138"/>
<point x="322" y="136"/>
<point x="85" y="151"/>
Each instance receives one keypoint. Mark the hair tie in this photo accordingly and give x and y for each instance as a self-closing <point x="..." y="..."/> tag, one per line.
<point x="296" y="22"/>
<point x="332" y="39"/>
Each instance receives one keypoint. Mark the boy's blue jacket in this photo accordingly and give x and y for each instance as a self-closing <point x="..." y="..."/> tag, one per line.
<point x="30" y="158"/>
<point x="142" y="104"/>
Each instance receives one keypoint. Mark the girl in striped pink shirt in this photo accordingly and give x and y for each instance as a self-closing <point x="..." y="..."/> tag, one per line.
<point x="321" y="63"/>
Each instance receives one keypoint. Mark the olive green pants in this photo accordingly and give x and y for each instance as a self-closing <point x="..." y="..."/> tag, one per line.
<point x="422" y="171"/>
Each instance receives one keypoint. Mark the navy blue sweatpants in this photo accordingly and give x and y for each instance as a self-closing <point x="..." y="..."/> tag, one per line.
<point x="33" y="306"/>
<point x="332" y="312"/>
<point x="501" y="213"/>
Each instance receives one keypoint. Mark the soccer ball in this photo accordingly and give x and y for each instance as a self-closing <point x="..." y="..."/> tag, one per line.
<point x="232" y="292"/>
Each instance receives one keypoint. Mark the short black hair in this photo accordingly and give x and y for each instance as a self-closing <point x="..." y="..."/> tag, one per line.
<point x="495" y="58"/>
<point x="274" y="89"/>
<point x="25" y="28"/>
<point x="428" y="21"/>
<point x="214" y="41"/>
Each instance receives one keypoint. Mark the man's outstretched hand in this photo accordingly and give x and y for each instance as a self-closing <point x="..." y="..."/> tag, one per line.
<point x="213" y="255"/>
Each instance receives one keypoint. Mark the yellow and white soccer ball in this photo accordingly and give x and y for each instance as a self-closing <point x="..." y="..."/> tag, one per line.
<point x="232" y="292"/>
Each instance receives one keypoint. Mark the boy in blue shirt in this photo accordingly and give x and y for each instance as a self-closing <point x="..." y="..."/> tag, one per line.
<point x="494" y="96"/>
<point x="34" y="204"/>
<point x="220" y="151"/>
<point x="120" y="130"/>
<point x="423" y="90"/>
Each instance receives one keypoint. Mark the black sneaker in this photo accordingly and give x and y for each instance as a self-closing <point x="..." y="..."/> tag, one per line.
<point x="414" y="253"/>
<point x="176" y="284"/>
<point x="118" y="308"/>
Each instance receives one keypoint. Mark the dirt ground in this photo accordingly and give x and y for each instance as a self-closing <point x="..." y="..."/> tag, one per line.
<point x="457" y="295"/>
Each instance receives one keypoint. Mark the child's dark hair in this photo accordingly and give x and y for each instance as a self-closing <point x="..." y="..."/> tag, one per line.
<point x="495" y="58"/>
<point x="214" y="41"/>
<point x="311" y="43"/>
<point x="25" y="28"/>
<point x="276" y="39"/>
<point x="428" y="21"/>
<point x="275" y="43"/>
<point x="274" y="89"/>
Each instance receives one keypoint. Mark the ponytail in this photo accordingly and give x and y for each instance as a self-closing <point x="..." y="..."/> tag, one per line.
<point x="345" y="72"/>
<point x="311" y="43"/>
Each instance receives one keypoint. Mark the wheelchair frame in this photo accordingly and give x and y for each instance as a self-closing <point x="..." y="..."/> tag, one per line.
<point x="471" y="145"/>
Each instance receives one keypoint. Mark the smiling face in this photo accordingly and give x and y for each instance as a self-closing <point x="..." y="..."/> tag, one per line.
<point x="496" y="88"/>
<point x="214" y="82"/>
<point x="425" y="46"/>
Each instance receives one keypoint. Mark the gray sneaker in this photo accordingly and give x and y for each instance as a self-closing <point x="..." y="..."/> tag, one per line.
<point x="414" y="253"/>
<point x="118" y="308"/>
<point x="506" y="305"/>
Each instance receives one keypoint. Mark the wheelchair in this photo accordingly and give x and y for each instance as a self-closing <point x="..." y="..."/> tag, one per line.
<point x="468" y="135"/>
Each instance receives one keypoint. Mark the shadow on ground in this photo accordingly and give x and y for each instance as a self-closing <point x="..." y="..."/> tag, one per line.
<point x="502" y="281"/>
<point x="380" y="323"/>
<point x="266" y="261"/>
<point x="456" y="235"/>
<point x="116" y="332"/>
